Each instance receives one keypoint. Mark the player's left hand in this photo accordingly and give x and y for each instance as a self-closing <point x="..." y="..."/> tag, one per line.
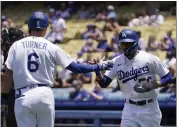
<point x="145" y="87"/>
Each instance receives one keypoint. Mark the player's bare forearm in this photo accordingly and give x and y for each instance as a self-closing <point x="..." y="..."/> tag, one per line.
<point x="99" y="76"/>
<point x="103" y="80"/>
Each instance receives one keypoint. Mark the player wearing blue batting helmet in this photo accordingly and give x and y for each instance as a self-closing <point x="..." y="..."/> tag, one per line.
<point x="38" y="21"/>
<point x="128" y="42"/>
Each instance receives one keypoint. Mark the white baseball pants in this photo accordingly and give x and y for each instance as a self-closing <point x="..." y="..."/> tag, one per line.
<point x="148" y="115"/>
<point x="35" y="108"/>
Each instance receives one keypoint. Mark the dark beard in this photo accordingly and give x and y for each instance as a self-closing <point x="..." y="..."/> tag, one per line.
<point x="131" y="54"/>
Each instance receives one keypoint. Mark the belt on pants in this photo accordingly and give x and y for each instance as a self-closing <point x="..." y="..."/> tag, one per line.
<point x="21" y="90"/>
<point x="140" y="103"/>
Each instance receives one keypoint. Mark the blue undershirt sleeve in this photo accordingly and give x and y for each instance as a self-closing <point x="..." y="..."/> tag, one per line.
<point x="82" y="68"/>
<point x="104" y="82"/>
<point x="166" y="79"/>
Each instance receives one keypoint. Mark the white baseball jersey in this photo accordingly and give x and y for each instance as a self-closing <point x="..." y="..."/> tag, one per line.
<point x="33" y="61"/>
<point x="59" y="25"/>
<point x="142" y="68"/>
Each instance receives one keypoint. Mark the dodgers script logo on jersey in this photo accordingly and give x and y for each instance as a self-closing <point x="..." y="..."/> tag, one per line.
<point x="132" y="74"/>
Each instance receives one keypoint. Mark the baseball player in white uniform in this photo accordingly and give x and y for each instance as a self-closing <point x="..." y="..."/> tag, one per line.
<point x="136" y="73"/>
<point x="58" y="28"/>
<point x="31" y="63"/>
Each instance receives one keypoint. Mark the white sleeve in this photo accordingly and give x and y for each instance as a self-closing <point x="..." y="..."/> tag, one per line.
<point x="111" y="73"/>
<point x="62" y="58"/>
<point x="158" y="67"/>
<point x="10" y="58"/>
<point x="64" y="24"/>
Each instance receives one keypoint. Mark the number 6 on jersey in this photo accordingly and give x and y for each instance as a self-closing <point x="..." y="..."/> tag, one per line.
<point x="32" y="65"/>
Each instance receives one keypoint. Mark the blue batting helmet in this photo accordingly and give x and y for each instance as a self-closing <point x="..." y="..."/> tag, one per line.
<point x="38" y="20"/>
<point x="129" y="36"/>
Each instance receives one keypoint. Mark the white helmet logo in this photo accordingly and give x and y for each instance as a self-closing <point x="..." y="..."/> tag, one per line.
<point x="38" y="24"/>
<point x="124" y="35"/>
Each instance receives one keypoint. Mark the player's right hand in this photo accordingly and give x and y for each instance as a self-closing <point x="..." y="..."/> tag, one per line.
<point x="106" y="65"/>
<point x="103" y="65"/>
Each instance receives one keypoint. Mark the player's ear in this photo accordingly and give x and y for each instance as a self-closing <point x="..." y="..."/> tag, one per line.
<point x="44" y="31"/>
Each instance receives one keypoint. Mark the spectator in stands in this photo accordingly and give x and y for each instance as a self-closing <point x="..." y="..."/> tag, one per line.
<point x="173" y="96"/>
<point x="71" y="7"/>
<point x="117" y="50"/>
<point x="79" y="58"/>
<point x="152" y="44"/>
<point x="170" y="59"/>
<point x="84" y="13"/>
<point x="141" y="43"/>
<point x="92" y="13"/>
<point x="172" y="86"/>
<point x="102" y="45"/>
<point x="171" y="51"/>
<point x="69" y="81"/>
<point x="79" y="94"/>
<point x="101" y="15"/>
<point x="164" y="45"/>
<point x="88" y="46"/>
<point x="11" y="23"/>
<point x="111" y="12"/>
<point x="134" y="21"/>
<point x="89" y="31"/>
<point x="113" y="46"/>
<point x="52" y="16"/>
<point x="58" y="29"/>
<point x="4" y="22"/>
<point x="86" y="78"/>
<point x="112" y="24"/>
<point x="156" y="19"/>
<point x="96" y="94"/>
<point x="171" y="41"/>
<point x="3" y="18"/>
<point x="92" y="32"/>
<point x="172" y="66"/>
<point x="65" y="74"/>
<point x="64" y="11"/>
<point x="58" y="81"/>
<point x="144" y="19"/>
<point x="170" y="62"/>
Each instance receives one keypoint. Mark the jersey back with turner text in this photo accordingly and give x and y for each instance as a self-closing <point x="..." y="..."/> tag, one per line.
<point x="33" y="61"/>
